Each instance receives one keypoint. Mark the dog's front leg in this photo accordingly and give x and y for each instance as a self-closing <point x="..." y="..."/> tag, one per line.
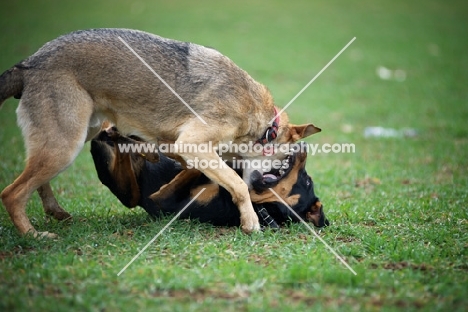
<point x="216" y="170"/>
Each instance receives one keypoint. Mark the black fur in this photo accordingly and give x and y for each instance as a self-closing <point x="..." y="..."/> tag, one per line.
<point x="220" y="211"/>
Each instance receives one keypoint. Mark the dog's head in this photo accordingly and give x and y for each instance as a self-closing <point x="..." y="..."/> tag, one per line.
<point x="125" y="167"/>
<point x="290" y="133"/>
<point x="293" y="185"/>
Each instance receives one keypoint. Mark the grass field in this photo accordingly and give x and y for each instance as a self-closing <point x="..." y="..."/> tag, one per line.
<point x="398" y="206"/>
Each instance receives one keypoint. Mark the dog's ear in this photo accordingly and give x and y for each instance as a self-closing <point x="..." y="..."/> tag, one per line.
<point x="302" y="131"/>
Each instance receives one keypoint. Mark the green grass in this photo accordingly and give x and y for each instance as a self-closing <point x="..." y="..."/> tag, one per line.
<point x="398" y="206"/>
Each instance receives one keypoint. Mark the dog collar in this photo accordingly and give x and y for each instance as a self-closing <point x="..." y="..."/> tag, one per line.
<point x="268" y="221"/>
<point x="271" y="132"/>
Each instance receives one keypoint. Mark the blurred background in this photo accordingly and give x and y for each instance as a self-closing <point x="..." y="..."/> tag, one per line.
<point x="399" y="93"/>
<point x="405" y="73"/>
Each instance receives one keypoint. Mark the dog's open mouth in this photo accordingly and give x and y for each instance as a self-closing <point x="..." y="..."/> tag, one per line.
<point x="261" y="180"/>
<point x="276" y="174"/>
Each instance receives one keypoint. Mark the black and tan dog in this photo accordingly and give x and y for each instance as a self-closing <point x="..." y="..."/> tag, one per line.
<point x="132" y="178"/>
<point x="140" y="82"/>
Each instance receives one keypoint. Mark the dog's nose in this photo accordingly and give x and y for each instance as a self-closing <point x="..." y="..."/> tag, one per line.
<point x="323" y="220"/>
<point x="317" y="216"/>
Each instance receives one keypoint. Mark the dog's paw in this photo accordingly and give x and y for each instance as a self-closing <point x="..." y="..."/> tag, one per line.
<point x="250" y="226"/>
<point x="164" y="192"/>
<point x="156" y="196"/>
<point x="47" y="235"/>
<point x="60" y="215"/>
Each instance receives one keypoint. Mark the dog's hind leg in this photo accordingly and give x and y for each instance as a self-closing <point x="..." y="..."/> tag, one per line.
<point x="185" y="177"/>
<point x="50" y="204"/>
<point x="54" y="124"/>
<point x="40" y="168"/>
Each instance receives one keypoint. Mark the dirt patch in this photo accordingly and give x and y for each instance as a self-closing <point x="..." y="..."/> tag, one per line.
<point x="367" y="182"/>
<point x="15" y="252"/>
<point x="346" y="239"/>
<point x="406" y="265"/>
<point x="263" y="261"/>
<point x="201" y="294"/>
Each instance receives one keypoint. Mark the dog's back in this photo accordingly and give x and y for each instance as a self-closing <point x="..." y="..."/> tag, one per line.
<point x="113" y="76"/>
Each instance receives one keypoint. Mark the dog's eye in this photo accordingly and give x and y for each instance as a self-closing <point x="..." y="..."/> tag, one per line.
<point x="309" y="181"/>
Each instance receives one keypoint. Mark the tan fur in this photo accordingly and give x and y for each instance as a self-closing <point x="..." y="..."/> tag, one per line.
<point x="75" y="81"/>
<point x="50" y="204"/>
<point x="210" y="192"/>
<point x="125" y="176"/>
<point x="314" y="214"/>
<point x="284" y="187"/>
<point x="184" y="177"/>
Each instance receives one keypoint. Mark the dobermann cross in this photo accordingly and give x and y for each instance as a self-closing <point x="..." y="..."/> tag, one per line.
<point x="133" y="177"/>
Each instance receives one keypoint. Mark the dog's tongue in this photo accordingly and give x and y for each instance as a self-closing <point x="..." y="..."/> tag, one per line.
<point x="269" y="177"/>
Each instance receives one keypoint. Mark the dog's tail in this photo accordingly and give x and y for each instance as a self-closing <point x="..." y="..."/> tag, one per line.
<point x="11" y="83"/>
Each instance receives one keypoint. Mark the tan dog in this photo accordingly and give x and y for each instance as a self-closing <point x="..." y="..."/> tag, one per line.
<point x="74" y="82"/>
